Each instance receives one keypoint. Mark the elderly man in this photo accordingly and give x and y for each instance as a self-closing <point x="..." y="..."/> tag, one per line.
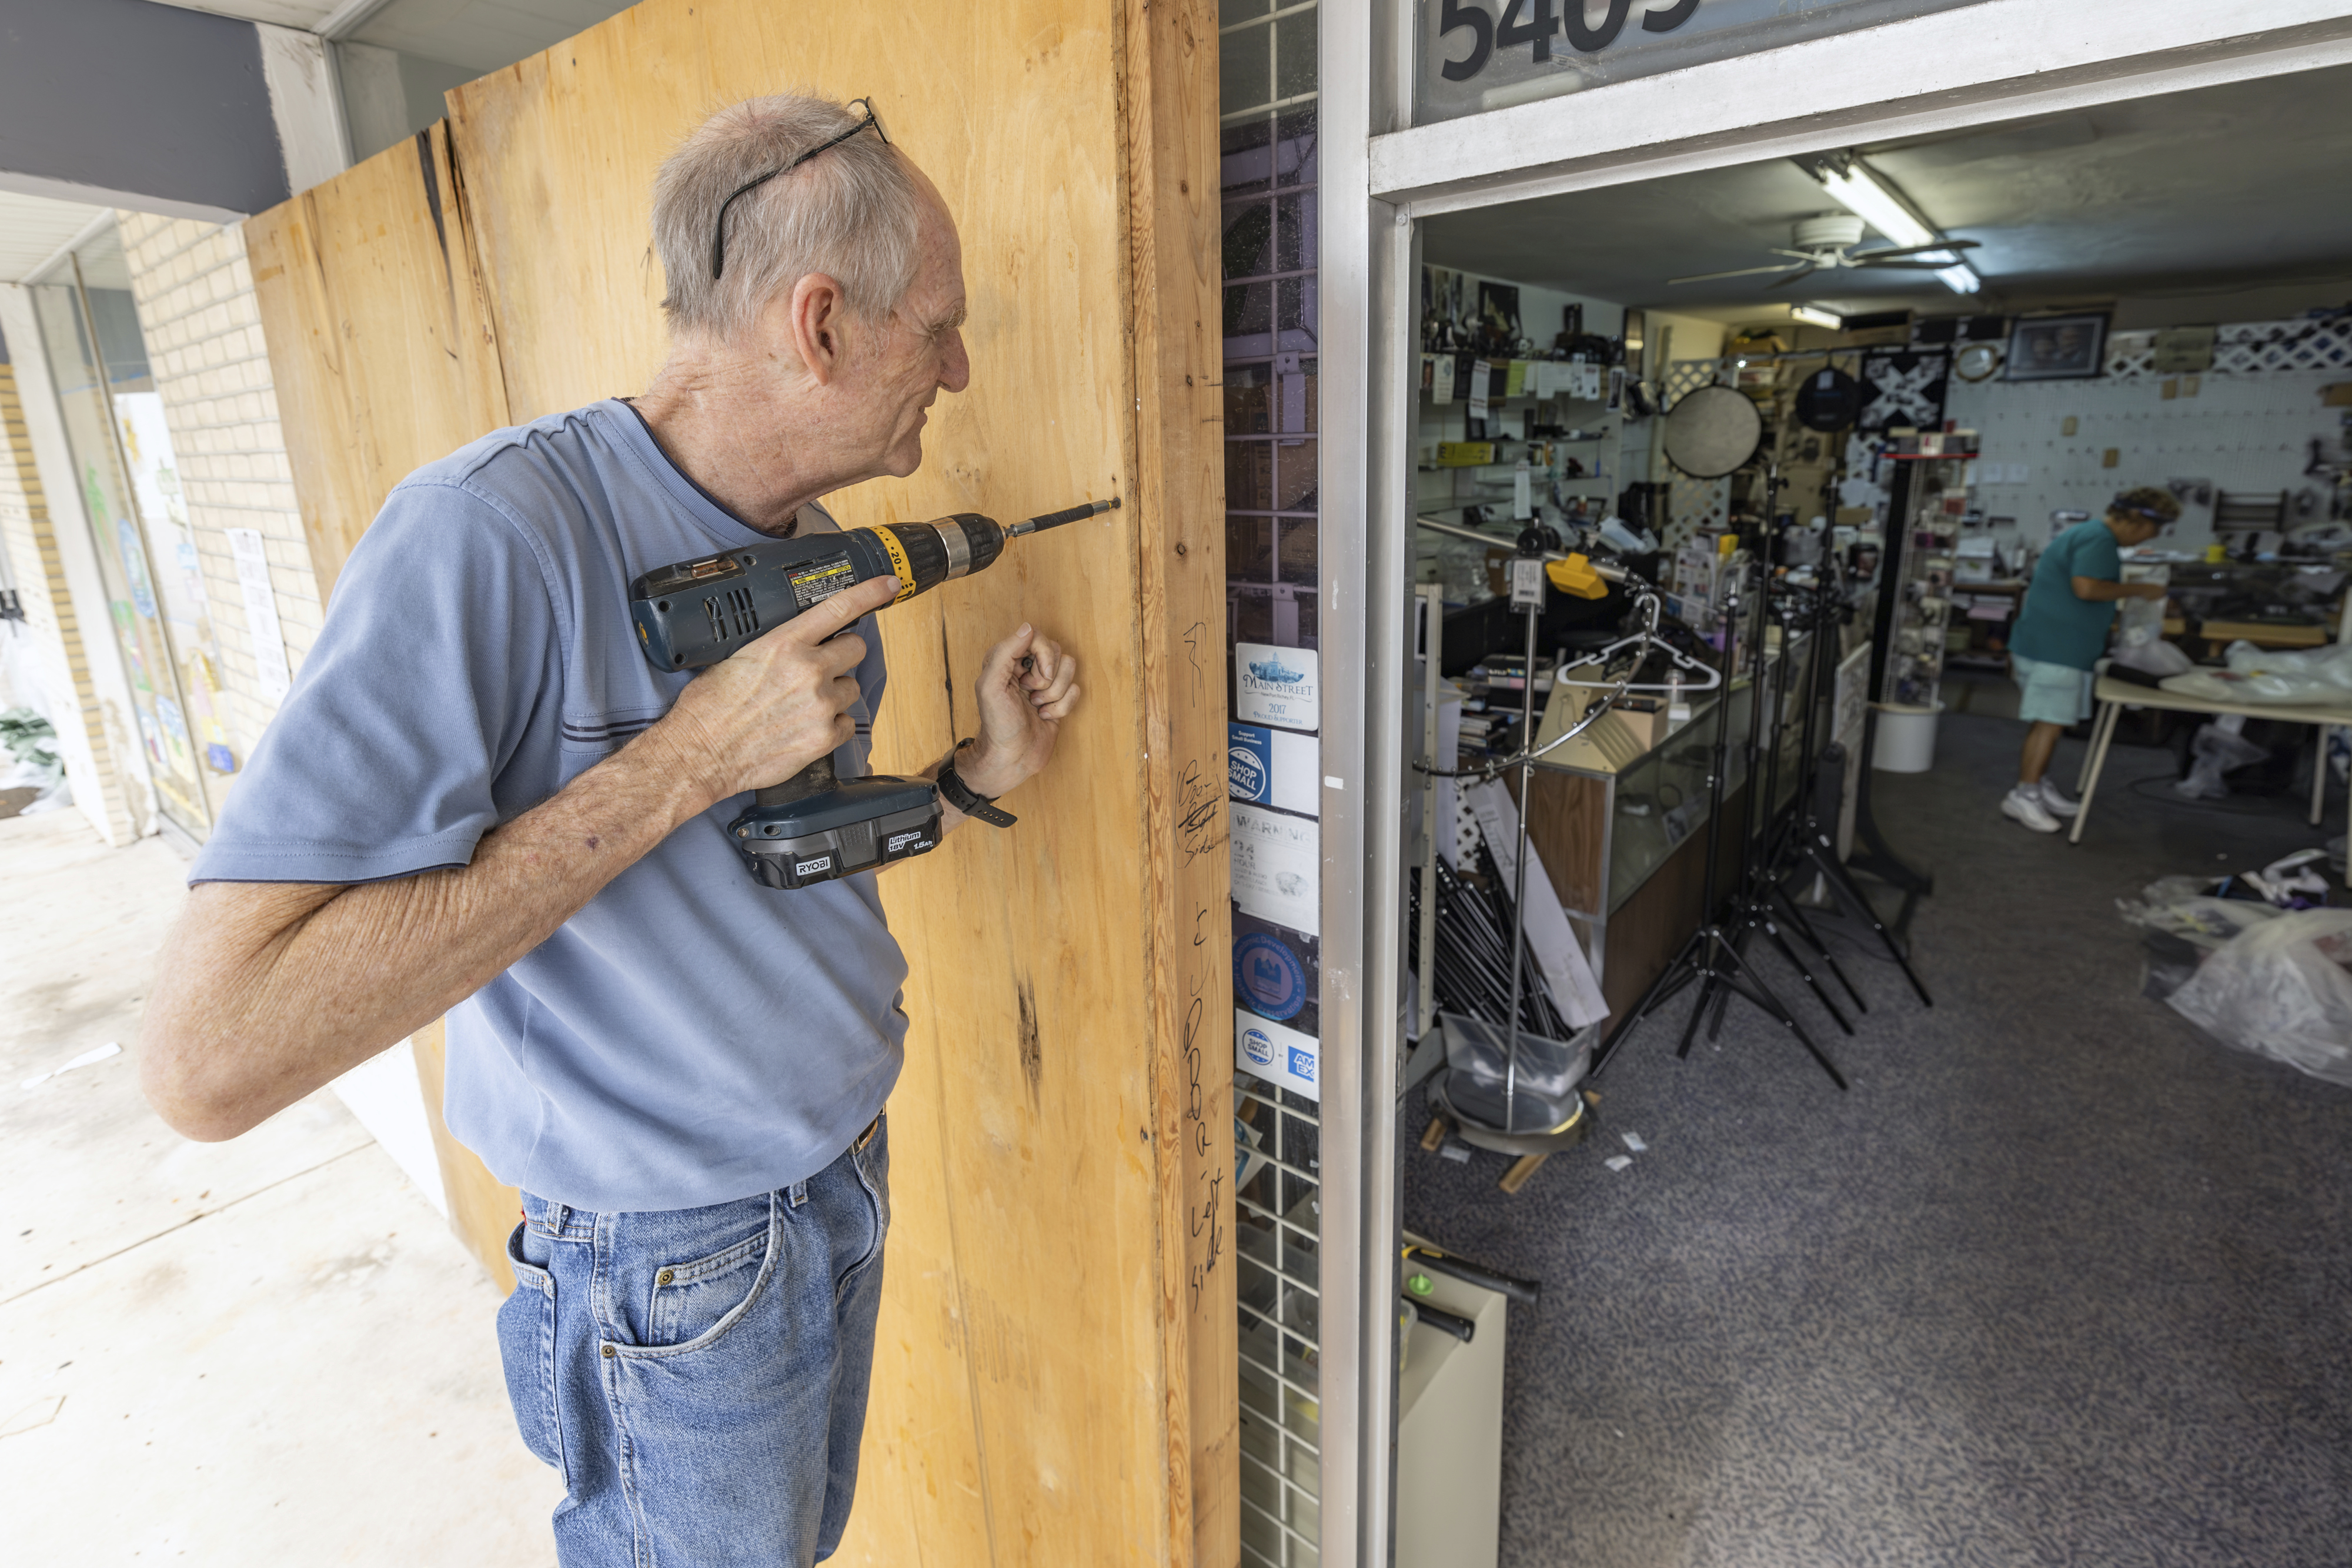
<point x="2062" y="630"/>
<point x="480" y="800"/>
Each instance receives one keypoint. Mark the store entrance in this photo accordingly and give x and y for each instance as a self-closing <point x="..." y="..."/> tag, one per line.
<point x="1776" y="1066"/>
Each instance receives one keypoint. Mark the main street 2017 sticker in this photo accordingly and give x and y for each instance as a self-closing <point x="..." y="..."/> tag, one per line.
<point x="1279" y="686"/>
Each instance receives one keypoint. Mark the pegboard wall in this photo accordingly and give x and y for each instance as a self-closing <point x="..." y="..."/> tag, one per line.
<point x="2247" y="431"/>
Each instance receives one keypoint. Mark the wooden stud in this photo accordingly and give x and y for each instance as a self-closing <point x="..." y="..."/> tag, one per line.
<point x="1524" y="1167"/>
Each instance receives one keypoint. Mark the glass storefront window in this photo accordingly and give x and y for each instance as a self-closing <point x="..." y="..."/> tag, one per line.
<point x="130" y="485"/>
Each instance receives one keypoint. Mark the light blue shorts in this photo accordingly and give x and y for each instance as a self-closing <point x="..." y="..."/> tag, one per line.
<point x="2054" y="694"/>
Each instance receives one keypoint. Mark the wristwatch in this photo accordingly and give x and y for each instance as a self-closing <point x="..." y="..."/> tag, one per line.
<point x="960" y="795"/>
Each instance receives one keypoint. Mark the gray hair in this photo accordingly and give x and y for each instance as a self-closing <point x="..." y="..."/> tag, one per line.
<point x="853" y="213"/>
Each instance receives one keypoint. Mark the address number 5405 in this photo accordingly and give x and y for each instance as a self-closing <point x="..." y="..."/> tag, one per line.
<point x="1536" y="24"/>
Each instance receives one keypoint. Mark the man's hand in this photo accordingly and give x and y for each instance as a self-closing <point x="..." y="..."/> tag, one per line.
<point x="760" y="717"/>
<point x="1028" y="684"/>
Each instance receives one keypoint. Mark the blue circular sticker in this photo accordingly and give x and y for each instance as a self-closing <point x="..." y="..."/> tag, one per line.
<point x="1246" y="775"/>
<point x="1270" y="976"/>
<point x="1258" y="1045"/>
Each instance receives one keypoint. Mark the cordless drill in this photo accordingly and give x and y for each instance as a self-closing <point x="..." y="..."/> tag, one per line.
<point x="814" y="827"/>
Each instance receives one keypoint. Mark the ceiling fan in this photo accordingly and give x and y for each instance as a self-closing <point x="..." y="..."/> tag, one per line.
<point x="1828" y="242"/>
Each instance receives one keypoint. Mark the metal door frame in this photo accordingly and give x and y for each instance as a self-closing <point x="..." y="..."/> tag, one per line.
<point x="1994" y="60"/>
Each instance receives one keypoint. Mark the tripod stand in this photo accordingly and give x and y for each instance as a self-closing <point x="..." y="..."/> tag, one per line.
<point x="1712" y="957"/>
<point x="1804" y="842"/>
<point x="1760" y="905"/>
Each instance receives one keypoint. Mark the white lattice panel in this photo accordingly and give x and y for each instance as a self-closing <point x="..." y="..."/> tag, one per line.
<point x="2247" y="349"/>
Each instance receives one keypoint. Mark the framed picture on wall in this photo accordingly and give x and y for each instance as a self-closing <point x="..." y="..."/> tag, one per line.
<point x="2057" y="348"/>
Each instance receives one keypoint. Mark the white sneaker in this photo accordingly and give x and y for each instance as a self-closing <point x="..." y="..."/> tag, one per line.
<point x="2024" y="805"/>
<point x="2055" y="800"/>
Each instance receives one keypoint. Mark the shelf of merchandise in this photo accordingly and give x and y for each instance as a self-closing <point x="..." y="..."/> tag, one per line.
<point x="1923" y="529"/>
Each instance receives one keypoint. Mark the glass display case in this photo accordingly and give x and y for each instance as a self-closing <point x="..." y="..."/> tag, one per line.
<point x="1604" y="831"/>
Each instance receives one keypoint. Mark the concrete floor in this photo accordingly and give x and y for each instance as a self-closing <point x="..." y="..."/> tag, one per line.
<point x="270" y="1350"/>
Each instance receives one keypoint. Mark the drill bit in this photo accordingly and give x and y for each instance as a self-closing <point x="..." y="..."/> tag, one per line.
<point x="1055" y="519"/>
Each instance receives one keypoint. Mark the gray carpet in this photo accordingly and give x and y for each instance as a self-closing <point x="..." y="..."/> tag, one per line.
<point x="2059" y="1281"/>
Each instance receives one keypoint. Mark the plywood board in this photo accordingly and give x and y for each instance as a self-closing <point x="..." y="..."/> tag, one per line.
<point x="483" y="1210"/>
<point x="383" y="361"/>
<point x="378" y="340"/>
<point x="1054" y="1379"/>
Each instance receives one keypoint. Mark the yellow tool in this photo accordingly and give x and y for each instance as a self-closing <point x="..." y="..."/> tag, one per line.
<point x="1575" y="575"/>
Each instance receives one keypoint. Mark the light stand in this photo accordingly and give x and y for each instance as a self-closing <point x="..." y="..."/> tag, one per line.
<point x="1711" y="957"/>
<point x="1752" y="910"/>
<point x="1527" y="569"/>
<point x="1878" y="859"/>
<point x="1808" y="843"/>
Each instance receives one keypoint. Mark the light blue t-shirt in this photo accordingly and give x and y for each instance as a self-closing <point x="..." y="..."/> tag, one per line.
<point x="2053" y="626"/>
<point x="688" y="1037"/>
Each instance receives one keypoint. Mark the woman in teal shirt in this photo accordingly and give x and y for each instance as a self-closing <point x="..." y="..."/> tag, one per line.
<point x="2061" y="631"/>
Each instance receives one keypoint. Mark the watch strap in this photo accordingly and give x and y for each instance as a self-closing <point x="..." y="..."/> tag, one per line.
<point x="959" y="794"/>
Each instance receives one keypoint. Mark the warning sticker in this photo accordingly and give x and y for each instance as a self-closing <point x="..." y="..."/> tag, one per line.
<point x="816" y="580"/>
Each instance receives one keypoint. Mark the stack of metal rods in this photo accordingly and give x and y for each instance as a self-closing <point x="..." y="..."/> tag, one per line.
<point x="1473" y="952"/>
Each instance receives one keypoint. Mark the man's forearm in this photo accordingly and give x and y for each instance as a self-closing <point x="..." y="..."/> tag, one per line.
<point x="266" y="992"/>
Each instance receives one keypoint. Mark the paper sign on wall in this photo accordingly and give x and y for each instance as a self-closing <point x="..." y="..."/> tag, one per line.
<point x="1480" y="381"/>
<point x="1273" y="768"/>
<point x="261" y="613"/>
<point x="1277" y="868"/>
<point x="1441" y="381"/>
<point x="1265" y="1048"/>
<point x="1280" y="686"/>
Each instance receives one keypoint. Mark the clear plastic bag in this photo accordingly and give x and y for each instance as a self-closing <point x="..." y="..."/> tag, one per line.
<point x="1478" y="1065"/>
<point x="2287" y="676"/>
<point x="2186" y="913"/>
<point x="2139" y="621"/>
<point x="2217" y="747"/>
<point x="2156" y="657"/>
<point x="2281" y="988"/>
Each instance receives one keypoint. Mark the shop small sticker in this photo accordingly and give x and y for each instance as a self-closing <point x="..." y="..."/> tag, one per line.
<point x="1257" y="1047"/>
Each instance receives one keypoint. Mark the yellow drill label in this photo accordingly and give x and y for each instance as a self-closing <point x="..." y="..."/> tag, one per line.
<point x="899" y="564"/>
<point x="818" y="581"/>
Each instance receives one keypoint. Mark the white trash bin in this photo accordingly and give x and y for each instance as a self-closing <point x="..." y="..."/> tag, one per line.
<point x="1906" y="738"/>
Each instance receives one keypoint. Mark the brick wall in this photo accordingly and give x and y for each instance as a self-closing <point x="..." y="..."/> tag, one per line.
<point x="194" y="294"/>
<point x="57" y="658"/>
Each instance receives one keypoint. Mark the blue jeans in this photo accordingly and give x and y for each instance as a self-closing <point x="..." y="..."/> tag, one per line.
<point x="698" y="1374"/>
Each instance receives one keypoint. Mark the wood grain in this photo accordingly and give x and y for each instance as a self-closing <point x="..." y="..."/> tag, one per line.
<point x="379" y="347"/>
<point x="1566" y="824"/>
<point x="483" y="1210"/>
<point x="1053" y="1379"/>
<point x="378" y="341"/>
<point x="1174" y="229"/>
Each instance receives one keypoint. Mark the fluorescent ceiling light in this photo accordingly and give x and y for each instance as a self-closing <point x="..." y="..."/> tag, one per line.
<point x="1860" y="193"/>
<point x="1814" y="315"/>
<point x="1874" y="205"/>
